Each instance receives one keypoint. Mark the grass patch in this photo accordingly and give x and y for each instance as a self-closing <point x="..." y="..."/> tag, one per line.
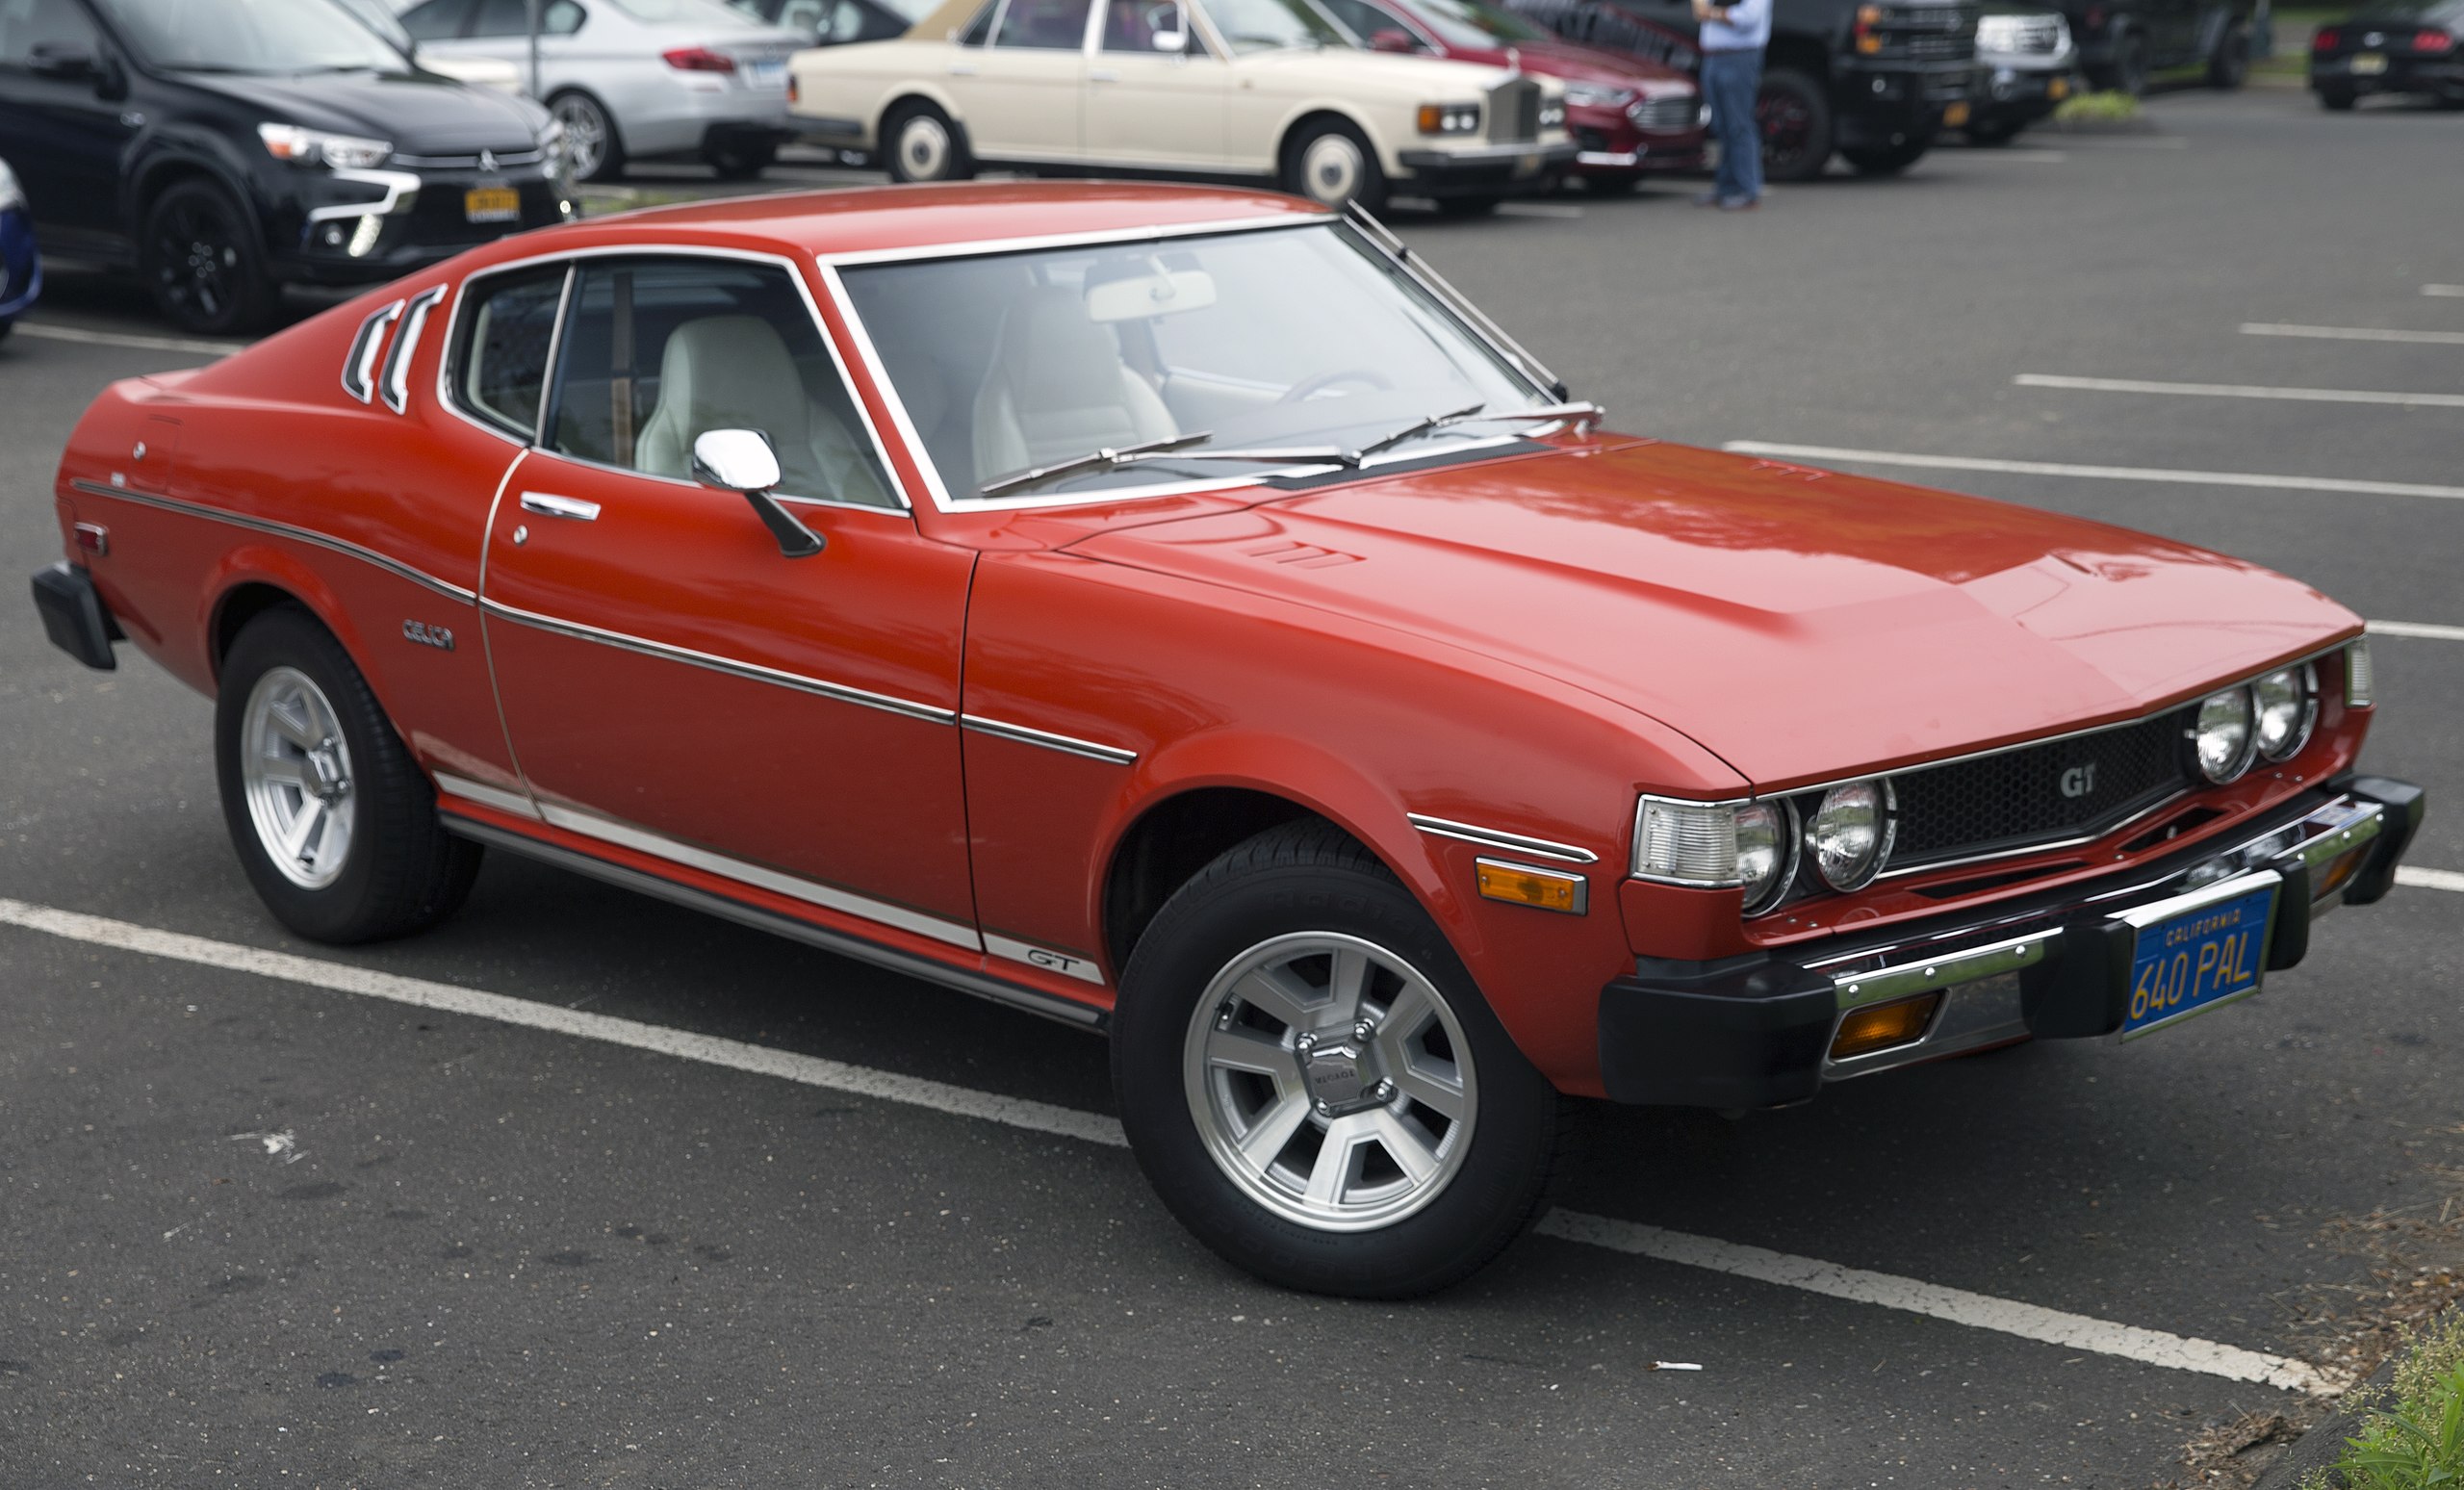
<point x="2105" y="108"/>
<point x="2412" y="1436"/>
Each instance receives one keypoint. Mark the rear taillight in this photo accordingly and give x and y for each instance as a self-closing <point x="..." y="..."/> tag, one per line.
<point x="2433" y="41"/>
<point x="793" y="92"/>
<point x="2327" y="40"/>
<point x="698" y="59"/>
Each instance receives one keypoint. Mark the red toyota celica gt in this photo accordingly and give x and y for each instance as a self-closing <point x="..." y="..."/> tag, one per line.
<point x="1177" y="612"/>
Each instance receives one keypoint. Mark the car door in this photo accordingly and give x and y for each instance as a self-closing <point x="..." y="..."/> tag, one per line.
<point x="1151" y="102"/>
<point x="57" y="130"/>
<point x="1023" y="93"/>
<point x="671" y="682"/>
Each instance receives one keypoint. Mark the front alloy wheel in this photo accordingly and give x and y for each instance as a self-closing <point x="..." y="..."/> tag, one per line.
<point x="592" y="150"/>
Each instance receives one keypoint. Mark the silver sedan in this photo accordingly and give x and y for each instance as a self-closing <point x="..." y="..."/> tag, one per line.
<point x="633" y="79"/>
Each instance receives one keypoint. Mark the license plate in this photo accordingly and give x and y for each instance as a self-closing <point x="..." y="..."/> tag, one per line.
<point x="769" y="73"/>
<point x="2197" y="959"/>
<point x="2368" y="63"/>
<point x="1955" y="116"/>
<point x="492" y="204"/>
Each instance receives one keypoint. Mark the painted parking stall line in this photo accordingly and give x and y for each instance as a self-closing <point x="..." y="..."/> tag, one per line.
<point x="2444" y="291"/>
<point x="1910" y="1295"/>
<point x="2353" y="334"/>
<point x="2421" y="630"/>
<point x="2132" y="385"/>
<point x="2052" y="468"/>
<point x="2429" y="879"/>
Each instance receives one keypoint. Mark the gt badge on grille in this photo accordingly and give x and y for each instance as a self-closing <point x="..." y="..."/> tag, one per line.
<point x="2079" y="779"/>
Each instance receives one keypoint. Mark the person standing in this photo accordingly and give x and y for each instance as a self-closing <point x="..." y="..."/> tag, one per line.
<point x="1733" y="39"/>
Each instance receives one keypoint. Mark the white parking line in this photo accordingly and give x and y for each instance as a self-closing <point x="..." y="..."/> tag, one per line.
<point x="1834" y="452"/>
<point x="2447" y="291"/>
<point x="2353" y="334"/>
<point x="1565" y="212"/>
<point x="2030" y="1322"/>
<point x="2420" y="628"/>
<point x="2132" y="385"/>
<point x="49" y="332"/>
<point x="2429" y="879"/>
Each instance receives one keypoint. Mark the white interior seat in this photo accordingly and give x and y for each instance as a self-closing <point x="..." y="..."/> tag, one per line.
<point x="1058" y="388"/>
<point x="733" y="373"/>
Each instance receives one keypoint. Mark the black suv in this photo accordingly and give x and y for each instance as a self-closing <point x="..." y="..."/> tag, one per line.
<point x="223" y="147"/>
<point x="2121" y="41"/>
<point x="1875" y="82"/>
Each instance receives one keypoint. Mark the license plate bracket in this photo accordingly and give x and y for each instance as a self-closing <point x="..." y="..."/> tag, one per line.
<point x="2200" y="951"/>
<point x="492" y="204"/>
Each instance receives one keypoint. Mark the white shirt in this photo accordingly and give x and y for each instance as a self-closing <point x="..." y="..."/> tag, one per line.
<point x="1748" y="28"/>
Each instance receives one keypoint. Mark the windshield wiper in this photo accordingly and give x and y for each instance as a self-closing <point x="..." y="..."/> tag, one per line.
<point x="1179" y="447"/>
<point x="1585" y="412"/>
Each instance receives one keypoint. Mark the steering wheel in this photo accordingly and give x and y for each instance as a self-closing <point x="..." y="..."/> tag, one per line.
<point x="1311" y="387"/>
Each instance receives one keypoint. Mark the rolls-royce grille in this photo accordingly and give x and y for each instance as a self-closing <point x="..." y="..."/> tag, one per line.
<point x="2069" y="788"/>
<point x="1514" y="111"/>
<point x="1665" y="116"/>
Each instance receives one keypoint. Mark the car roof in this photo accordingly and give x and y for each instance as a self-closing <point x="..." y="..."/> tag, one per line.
<point x="885" y="219"/>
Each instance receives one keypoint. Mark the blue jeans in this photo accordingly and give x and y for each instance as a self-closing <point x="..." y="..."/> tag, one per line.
<point x="1730" y="81"/>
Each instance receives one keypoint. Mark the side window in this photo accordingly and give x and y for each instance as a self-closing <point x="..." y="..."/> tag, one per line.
<point x="1133" y="25"/>
<point x="1366" y="20"/>
<point x="438" y="21"/>
<point x="501" y="346"/>
<point x="1043" y="25"/>
<point x="560" y="18"/>
<point x="660" y="352"/>
<point x="512" y="19"/>
<point x="57" y="27"/>
<point x="979" y="31"/>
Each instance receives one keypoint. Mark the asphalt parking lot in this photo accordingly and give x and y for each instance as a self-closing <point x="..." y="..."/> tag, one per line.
<point x="322" y="1224"/>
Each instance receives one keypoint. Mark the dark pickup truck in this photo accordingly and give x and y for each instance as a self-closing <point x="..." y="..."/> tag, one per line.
<point x="1873" y="82"/>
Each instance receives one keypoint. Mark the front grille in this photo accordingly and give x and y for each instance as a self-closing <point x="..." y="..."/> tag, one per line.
<point x="505" y="158"/>
<point x="1514" y="111"/>
<point x="1666" y="115"/>
<point x="2079" y="788"/>
<point x="1939" y="48"/>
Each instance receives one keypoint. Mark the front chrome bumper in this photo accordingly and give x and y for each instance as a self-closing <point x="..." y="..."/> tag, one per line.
<point x="1760" y="1031"/>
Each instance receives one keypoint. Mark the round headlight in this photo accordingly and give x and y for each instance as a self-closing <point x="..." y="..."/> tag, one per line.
<point x="1851" y="832"/>
<point x="2288" y="703"/>
<point x="1766" y="852"/>
<point x="2225" y="737"/>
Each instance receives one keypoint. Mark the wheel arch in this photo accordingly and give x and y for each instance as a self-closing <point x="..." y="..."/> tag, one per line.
<point x="1323" y="111"/>
<point x="914" y="93"/>
<point x="615" y="121"/>
<point x="169" y="167"/>
<point x="256" y="577"/>
<point x="1798" y="54"/>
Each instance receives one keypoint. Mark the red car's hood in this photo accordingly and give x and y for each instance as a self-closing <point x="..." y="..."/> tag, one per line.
<point x="1800" y="624"/>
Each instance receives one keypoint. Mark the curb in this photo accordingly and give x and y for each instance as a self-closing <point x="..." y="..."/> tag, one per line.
<point x="2320" y="1447"/>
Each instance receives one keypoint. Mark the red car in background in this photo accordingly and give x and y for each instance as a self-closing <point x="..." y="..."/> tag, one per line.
<point x="1629" y="117"/>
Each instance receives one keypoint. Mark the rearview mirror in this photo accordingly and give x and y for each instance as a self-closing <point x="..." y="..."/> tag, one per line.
<point x="1163" y="292"/>
<point x="742" y="461"/>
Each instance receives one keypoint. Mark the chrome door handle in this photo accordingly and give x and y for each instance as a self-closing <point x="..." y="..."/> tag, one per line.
<point x="961" y="69"/>
<point x="548" y="504"/>
<point x="1103" y="75"/>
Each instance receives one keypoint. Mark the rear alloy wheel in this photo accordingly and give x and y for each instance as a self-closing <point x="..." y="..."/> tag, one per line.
<point x="921" y="143"/>
<point x="593" y="151"/>
<point x="1331" y="163"/>
<point x="2231" y="65"/>
<point x="1313" y="1086"/>
<point x="200" y="261"/>
<point x="1794" y="115"/>
<point x="333" y="821"/>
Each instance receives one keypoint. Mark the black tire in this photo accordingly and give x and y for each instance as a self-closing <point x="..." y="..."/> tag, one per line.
<point x="399" y="871"/>
<point x="1330" y="162"/>
<point x="592" y="141"/>
<point x="2128" y="73"/>
<point x="2338" y="100"/>
<point x="1467" y="206"/>
<point x="2230" y="65"/>
<point x="199" y="259"/>
<point x="1886" y="160"/>
<point x="1310" y="879"/>
<point x="739" y="160"/>
<point x="1993" y="134"/>
<point x="1794" y="115"/>
<point x="919" y="142"/>
<point x="7" y="326"/>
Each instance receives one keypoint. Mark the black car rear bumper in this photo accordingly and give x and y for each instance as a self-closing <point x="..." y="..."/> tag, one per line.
<point x="1758" y="1031"/>
<point x="2440" y="77"/>
<point x="74" y="617"/>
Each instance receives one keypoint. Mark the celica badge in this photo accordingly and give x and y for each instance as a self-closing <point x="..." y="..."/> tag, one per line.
<point x="427" y="635"/>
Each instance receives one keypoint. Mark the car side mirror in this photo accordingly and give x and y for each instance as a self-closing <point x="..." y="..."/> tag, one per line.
<point x="63" y="63"/>
<point x="1168" y="29"/>
<point x="742" y="461"/>
<point x="1386" y="38"/>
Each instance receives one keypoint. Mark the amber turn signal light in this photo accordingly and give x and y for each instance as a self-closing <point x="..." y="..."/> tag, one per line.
<point x="2339" y="873"/>
<point x="1881" y="1026"/>
<point x="1521" y="884"/>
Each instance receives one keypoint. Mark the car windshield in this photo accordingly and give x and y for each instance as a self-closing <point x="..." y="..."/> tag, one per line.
<point x="1264" y="25"/>
<point x="1275" y="342"/>
<point x="1473" y="23"/>
<point x="253" y="35"/>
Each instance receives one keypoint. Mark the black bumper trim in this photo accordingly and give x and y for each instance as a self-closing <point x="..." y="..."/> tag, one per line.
<point x="74" y="616"/>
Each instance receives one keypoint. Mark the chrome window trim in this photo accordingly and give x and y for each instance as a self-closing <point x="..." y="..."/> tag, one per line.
<point x="1499" y="839"/>
<point x="593" y="823"/>
<point x="359" y="363"/>
<point x="755" y="671"/>
<point x="270" y="527"/>
<point x="393" y="385"/>
<point x="868" y="353"/>
<point x="1475" y="319"/>
<point x="555" y="355"/>
<point x="572" y="259"/>
<point x="1067" y="744"/>
<point x="914" y="964"/>
<point x="1581" y="882"/>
